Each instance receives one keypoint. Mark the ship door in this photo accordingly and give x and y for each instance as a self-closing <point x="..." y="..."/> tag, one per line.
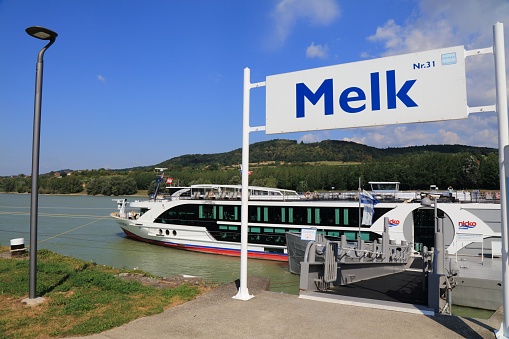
<point x="424" y="227"/>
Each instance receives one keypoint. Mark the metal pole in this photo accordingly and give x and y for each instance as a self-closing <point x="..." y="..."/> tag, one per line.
<point x="435" y="210"/>
<point x="243" y="293"/>
<point x="503" y="149"/>
<point x="35" y="171"/>
<point x="360" y="215"/>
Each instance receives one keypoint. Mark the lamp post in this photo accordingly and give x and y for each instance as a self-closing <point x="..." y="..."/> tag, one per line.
<point x="43" y="34"/>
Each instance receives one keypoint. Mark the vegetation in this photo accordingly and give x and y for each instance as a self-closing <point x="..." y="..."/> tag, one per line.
<point x="288" y="164"/>
<point x="81" y="298"/>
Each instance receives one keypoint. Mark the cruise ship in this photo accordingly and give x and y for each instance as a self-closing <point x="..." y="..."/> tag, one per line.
<point x="206" y="218"/>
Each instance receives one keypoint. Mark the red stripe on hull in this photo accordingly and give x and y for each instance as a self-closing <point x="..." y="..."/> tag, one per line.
<point x="211" y="250"/>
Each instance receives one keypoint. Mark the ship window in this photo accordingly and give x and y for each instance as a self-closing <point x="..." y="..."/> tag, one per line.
<point x="220" y="212"/>
<point x="268" y="230"/>
<point x="228" y="212"/>
<point x="283" y="214"/>
<point x="233" y="228"/>
<point x="206" y="211"/>
<point x="337" y="216"/>
<point x="255" y="229"/>
<point x="349" y="235"/>
<point x="280" y="230"/>
<point x="290" y="215"/>
<point x="317" y="216"/>
<point x="265" y="214"/>
<point x="258" y="214"/>
<point x="345" y="217"/>
<point x="223" y="227"/>
<point x="309" y="215"/>
<point x="333" y="234"/>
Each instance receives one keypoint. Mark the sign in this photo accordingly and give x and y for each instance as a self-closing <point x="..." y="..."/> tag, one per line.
<point x="169" y="181"/>
<point x="418" y="87"/>
<point x="308" y="234"/>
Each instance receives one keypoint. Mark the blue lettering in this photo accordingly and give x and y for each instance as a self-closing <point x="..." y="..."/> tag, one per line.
<point x="325" y="90"/>
<point x="402" y="94"/>
<point x="375" y="91"/>
<point x="350" y="95"/>
<point x="345" y="98"/>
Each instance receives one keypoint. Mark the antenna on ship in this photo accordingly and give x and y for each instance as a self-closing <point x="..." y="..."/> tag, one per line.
<point x="159" y="180"/>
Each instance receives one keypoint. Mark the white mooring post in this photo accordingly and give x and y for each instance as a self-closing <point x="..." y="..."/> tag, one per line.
<point x="503" y="149"/>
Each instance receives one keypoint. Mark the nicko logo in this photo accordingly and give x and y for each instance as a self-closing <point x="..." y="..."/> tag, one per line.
<point x="393" y="222"/>
<point x="466" y="225"/>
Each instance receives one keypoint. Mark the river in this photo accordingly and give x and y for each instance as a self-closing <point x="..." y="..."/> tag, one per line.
<point x="80" y="226"/>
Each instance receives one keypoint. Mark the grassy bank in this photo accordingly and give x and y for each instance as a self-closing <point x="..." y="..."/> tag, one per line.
<point x="80" y="297"/>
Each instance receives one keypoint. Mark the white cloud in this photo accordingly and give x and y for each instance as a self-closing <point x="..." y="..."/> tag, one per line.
<point x="316" y="51"/>
<point x="308" y="138"/>
<point x="478" y="130"/>
<point x="316" y="12"/>
<point x="439" y="24"/>
<point x="101" y="78"/>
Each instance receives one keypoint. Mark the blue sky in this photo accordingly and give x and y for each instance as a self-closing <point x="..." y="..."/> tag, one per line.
<point x="130" y="83"/>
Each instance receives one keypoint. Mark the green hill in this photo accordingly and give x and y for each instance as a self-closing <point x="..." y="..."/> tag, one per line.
<point x="290" y="151"/>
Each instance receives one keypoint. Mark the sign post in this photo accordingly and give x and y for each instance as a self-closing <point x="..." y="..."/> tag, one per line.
<point x="503" y="151"/>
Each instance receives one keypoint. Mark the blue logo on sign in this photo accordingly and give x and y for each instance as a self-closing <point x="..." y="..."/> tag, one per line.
<point x="449" y="58"/>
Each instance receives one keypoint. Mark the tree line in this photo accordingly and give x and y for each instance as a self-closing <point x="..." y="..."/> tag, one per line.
<point x="415" y="169"/>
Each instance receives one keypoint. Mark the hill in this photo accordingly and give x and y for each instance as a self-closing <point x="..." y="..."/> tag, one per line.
<point x="290" y="151"/>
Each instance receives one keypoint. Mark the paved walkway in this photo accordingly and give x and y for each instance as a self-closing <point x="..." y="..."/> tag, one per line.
<point x="277" y="315"/>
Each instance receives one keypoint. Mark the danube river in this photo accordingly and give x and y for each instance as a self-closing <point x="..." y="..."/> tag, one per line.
<point x="80" y="226"/>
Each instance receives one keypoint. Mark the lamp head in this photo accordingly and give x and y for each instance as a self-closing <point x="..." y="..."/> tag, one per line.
<point x="41" y="33"/>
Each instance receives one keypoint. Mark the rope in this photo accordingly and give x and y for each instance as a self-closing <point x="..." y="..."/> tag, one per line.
<point x="69" y="231"/>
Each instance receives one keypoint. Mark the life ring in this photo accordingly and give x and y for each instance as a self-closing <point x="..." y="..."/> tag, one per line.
<point x="211" y="195"/>
<point x="307" y="195"/>
<point x="497" y="195"/>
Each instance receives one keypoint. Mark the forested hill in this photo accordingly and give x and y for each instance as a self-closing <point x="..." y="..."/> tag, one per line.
<point x="290" y="151"/>
<point x="292" y="165"/>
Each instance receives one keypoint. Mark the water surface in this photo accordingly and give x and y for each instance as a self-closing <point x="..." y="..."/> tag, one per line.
<point x="80" y="226"/>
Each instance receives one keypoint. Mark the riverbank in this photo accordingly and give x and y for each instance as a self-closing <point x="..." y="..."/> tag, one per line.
<point x="86" y="299"/>
<point x="82" y="298"/>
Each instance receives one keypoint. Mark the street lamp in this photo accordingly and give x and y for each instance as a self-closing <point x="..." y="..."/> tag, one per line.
<point x="43" y="34"/>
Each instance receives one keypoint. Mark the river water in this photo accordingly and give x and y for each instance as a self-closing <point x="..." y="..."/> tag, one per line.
<point x="80" y="226"/>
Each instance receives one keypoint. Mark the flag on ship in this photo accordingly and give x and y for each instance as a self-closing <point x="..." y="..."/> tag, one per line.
<point x="248" y="173"/>
<point x="368" y="202"/>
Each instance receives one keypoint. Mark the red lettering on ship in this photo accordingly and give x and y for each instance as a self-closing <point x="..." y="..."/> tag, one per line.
<point x="393" y="221"/>
<point x="467" y="223"/>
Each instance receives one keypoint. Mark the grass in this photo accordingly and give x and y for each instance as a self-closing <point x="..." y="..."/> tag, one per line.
<point x="81" y="298"/>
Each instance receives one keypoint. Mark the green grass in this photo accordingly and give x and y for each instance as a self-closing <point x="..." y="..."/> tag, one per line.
<point x="81" y="297"/>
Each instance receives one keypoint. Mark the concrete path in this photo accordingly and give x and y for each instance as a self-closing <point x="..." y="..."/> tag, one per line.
<point x="277" y="315"/>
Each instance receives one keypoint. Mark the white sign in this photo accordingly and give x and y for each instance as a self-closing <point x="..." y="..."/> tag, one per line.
<point x="308" y="234"/>
<point x="409" y="88"/>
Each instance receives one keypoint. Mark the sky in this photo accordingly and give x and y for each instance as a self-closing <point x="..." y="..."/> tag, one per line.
<point x="133" y="83"/>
